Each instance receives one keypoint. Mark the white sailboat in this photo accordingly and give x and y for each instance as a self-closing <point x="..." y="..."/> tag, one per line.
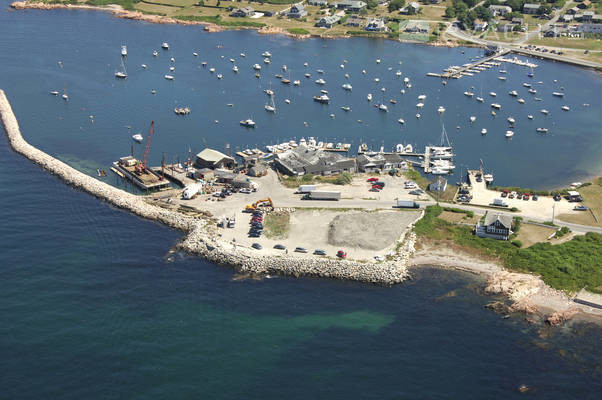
<point x="270" y="106"/>
<point x="121" y="74"/>
<point x="124" y="50"/>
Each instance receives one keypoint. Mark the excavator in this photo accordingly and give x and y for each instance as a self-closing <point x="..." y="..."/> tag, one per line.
<point x="260" y="203"/>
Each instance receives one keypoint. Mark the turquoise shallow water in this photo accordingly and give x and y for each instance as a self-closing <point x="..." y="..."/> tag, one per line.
<point x="92" y="308"/>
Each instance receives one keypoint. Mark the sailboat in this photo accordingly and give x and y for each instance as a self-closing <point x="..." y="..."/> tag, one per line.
<point x="270" y="106"/>
<point x="121" y="74"/>
<point x="124" y="50"/>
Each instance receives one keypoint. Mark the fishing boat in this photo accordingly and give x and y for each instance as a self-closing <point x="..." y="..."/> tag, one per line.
<point x="542" y="130"/>
<point x="124" y="50"/>
<point x="164" y="45"/>
<point x="323" y="98"/>
<point x="565" y="108"/>
<point x="137" y="137"/>
<point x="483" y="131"/>
<point x="509" y="134"/>
<point x="347" y="86"/>
<point x="249" y="123"/>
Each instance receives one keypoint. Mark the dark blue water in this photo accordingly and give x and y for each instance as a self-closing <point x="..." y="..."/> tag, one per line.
<point x="92" y="307"/>
<point x="88" y="45"/>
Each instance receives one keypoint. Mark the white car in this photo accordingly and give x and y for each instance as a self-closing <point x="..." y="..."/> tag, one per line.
<point x="245" y="190"/>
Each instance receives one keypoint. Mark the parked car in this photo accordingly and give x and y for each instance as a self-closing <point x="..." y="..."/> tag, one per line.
<point x="526" y="196"/>
<point x="254" y="234"/>
<point x="300" y="250"/>
<point x="341" y="254"/>
<point x="557" y="197"/>
<point x="580" y="207"/>
<point x="280" y="247"/>
<point x="535" y="197"/>
<point x="504" y="193"/>
<point x="256" y="246"/>
<point x="372" y="179"/>
<point x="319" y="252"/>
<point x="417" y="192"/>
<point x="245" y="191"/>
<point x="374" y="189"/>
<point x="378" y="183"/>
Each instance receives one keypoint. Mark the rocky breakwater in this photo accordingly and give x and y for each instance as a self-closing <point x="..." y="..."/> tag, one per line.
<point x="200" y="240"/>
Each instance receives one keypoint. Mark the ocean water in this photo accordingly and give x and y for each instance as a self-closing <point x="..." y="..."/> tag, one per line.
<point x="88" y="46"/>
<point x="93" y="306"/>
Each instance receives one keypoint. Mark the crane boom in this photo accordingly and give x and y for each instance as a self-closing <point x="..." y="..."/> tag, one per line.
<point x="148" y="144"/>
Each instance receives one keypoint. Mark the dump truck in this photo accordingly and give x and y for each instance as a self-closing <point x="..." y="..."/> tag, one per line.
<point x="306" y="188"/>
<point x="407" y="204"/>
<point x="322" y="195"/>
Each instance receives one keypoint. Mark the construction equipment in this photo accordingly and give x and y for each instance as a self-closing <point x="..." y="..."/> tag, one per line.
<point x="141" y="167"/>
<point x="260" y="203"/>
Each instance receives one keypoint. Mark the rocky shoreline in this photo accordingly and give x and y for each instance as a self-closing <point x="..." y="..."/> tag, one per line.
<point x="200" y="239"/>
<point x="118" y="12"/>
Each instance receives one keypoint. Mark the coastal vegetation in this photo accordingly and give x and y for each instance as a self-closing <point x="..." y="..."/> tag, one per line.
<point x="294" y="181"/>
<point x="276" y="225"/>
<point x="568" y="266"/>
<point x="592" y="198"/>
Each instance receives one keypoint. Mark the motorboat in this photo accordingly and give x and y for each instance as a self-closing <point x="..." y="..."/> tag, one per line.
<point x="324" y="91"/>
<point x="441" y="110"/>
<point x="323" y="98"/>
<point x="401" y="121"/>
<point x="468" y="94"/>
<point x="406" y="80"/>
<point x="542" y="130"/>
<point x="383" y="107"/>
<point x="266" y="54"/>
<point x="383" y="89"/>
<point x="347" y="86"/>
<point x="172" y="68"/>
<point x="369" y="97"/>
<point x="501" y="78"/>
<point x="296" y="82"/>
<point x="376" y="80"/>
<point x="138" y="138"/>
<point x="496" y="106"/>
<point x="544" y="111"/>
<point x="165" y="45"/>
<point x="480" y="99"/>
<point x="124" y="50"/>
<point x="558" y="94"/>
<point x="422" y="97"/>
<point x="284" y="67"/>
<point x="511" y="120"/>
<point x="530" y="116"/>
<point x="287" y="101"/>
<point x="418" y="115"/>
<point x="308" y="75"/>
<point x="321" y="81"/>
<point x="378" y="60"/>
<point x="513" y="93"/>
<point x="488" y="178"/>
<point x="155" y="53"/>
<point x="492" y="94"/>
<point x="528" y="85"/>
<point x="266" y="60"/>
<point x="120" y="75"/>
<point x="54" y="92"/>
<point x="419" y="105"/>
<point x="249" y="123"/>
<point x="143" y="66"/>
<point x="173" y="60"/>
<point x="257" y="67"/>
<point x="483" y="131"/>
<point x="169" y="77"/>
<point x="509" y="134"/>
<point x="195" y="54"/>
<point x="532" y="91"/>
<point x="65" y="97"/>
<point x="398" y="73"/>
<point x="521" y="101"/>
<point x="472" y="118"/>
<point x="212" y="70"/>
<point x="243" y="55"/>
<point x="219" y="76"/>
<point x="346" y="108"/>
<point x="565" y="108"/>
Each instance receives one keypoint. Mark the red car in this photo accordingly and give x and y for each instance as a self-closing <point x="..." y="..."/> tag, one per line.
<point x="378" y="187"/>
<point x="341" y="254"/>
<point x="372" y="180"/>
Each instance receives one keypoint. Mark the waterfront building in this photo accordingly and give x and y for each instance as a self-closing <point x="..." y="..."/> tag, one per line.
<point x="376" y="25"/>
<point x="505" y="27"/>
<point x="379" y="162"/>
<point x="410" y="9"/>
<point x="354" y="21"/>
<point x="319" y="3"/>
<point x="480" y="25"/>
<point x="297" y="11"/>
<point x="351" y="5"/>
<point x="328" y="21"/>
<point x="213" y="159"/>
<point x="303" y="160"/>
<point x="496" y="226"/>
<point x="243" y="12"/>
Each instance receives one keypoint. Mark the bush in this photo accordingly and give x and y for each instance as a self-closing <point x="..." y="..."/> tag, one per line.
<point x="562" y="231"/>
<point x="343" y="179"/>
<point x="517" y="243"/>
<point x="298" y="31"/>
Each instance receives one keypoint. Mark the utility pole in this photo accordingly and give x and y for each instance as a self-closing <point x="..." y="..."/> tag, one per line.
<point x="553" y="211"/>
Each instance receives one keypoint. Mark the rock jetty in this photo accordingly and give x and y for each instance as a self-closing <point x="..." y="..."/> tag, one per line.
<point x="200" y="239"/>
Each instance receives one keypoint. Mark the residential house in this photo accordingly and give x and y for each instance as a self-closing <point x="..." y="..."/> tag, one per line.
<point x="417" y="27"/>
<point x="496" y="226"/>
<point x="480" y="25"/>
<point x="297" y="11"/>
<point x="243" y="12"/>
<point x="588" y="16"/>
<point x="319" y="3"/>
<point x="567" y="18"/>
<point x="213" y="159"/>
<point x="500" y="10"/>
<point x="505" y="27"/>
<point x="379" y="162"/>
<point x="517" y="21"/>
<point x="573" y="11"/>
<point x="328" y="21"/>
<point x="590" y="28"/>
<point x="584" y="4"/>
<point x="351" y="5"/>
<point x="410" y="9"/>
<point x="375" y="25"/>
<point x="529" y="8"/>
<point x="354" y="21"/>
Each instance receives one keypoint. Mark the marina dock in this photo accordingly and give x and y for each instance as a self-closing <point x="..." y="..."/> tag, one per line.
<point x="145" y="179"/>
<point x="468" y="69"/>
<point x="175" y="174"/>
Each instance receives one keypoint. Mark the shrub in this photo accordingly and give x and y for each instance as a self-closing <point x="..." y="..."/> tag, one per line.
<point x="517" y="243"/>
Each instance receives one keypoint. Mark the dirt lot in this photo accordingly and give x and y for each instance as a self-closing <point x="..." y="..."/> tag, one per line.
<point x="369" y="230"/>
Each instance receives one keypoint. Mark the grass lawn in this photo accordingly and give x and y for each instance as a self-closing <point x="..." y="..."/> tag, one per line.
<point x="453" y="217"/>
<point x="592" y="198"/>
<point x="568" y="266"/>
<point x="529" y="234"/>
<point x="277" y="225"/>
<point x="574" y="43"/>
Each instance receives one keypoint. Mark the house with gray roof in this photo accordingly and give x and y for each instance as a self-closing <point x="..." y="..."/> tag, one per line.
<point x="496" y="226"/>
<point x="328" y="21"/>
<point x="351" y="5"/>
<point x="319" y="3"/>
<point x="500" y="10"/>
<point x="379" y="162"/>
<point x="242" y="12"/>
<point x="297" y="11"/>
<point x="529" y="8"/>
<point x="376" y="25"/>
<point x="304" y="160"/>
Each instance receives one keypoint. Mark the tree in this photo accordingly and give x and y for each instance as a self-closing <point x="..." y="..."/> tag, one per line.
<point x="450" y="12"/>
<point x="396" y="5"/>
<point x="544" y="9"/>
<point x="516" y="5"/>
<point x="372" y="4"/>
<point x="483" y="13"/>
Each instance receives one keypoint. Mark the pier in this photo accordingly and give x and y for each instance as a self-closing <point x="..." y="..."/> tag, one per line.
<point x="465" y="69"/>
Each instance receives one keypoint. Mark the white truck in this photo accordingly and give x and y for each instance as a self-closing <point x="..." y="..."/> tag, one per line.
<point x="499" y="203"/>
<point x="306" y="188"/>
<point x="322" y="195"/>
<point x="191" y="190"/>
<point x="407" y="204"/>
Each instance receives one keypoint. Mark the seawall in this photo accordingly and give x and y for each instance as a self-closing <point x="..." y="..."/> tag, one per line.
<point x="200" y="239"/>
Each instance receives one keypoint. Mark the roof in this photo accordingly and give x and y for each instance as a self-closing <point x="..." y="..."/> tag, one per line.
<point x="213" y="156"/>
<point x="224" y="174"/>
<point x="531" y="5"/>
<point x="308" y="160"/>
<point x="573" y="193"/>
<point x="499" y="7"/>
<point x="505" y="220"/>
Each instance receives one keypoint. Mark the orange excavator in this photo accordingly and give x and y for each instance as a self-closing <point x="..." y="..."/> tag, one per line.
<point x="260" y="203"/>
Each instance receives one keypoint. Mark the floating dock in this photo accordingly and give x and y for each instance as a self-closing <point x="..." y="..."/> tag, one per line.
<point x="457" y="73"/>
<point x="175" y="174"/>
<point x="145" y="180"/>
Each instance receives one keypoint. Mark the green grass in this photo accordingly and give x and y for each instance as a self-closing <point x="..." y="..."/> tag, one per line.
<point x="276" y="226"/>
<point x="568" y="266"/>
<point x="294" y="181"/>
<point x="298" y="31"/>
<point x="216" y="19"/>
